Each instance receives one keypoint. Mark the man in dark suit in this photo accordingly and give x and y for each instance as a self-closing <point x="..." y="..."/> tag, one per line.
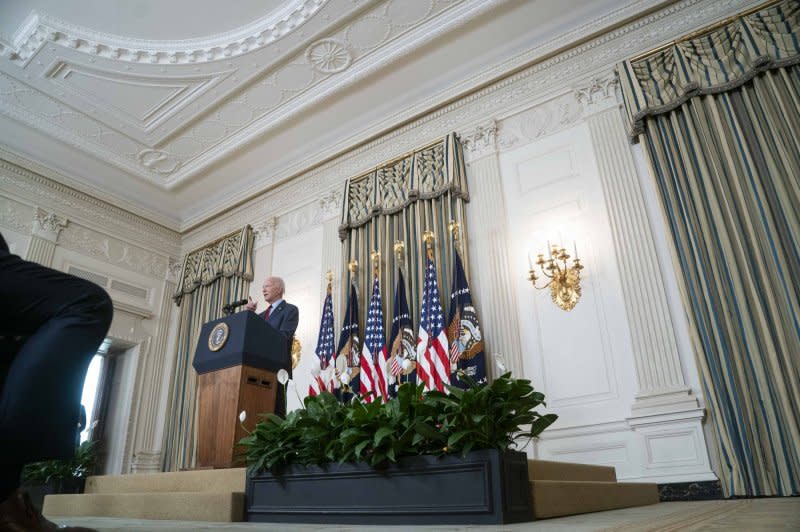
<point x="51" y="325"/>
<point x="284" y="317"/>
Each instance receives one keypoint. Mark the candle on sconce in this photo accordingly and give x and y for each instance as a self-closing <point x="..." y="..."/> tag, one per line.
<point x="530" y="262"/>
<point x="575" y="244"/>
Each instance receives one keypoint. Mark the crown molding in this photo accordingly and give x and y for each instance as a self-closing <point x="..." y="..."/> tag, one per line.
<point x="86" y="209"/>
<point x="38" y="30"/>
<point x="359" y="69"/>
<point x="184" y="152"/>
<point x="45" y="171"/>
<point x="525" y="88"/>
<point x="520" y="83"/>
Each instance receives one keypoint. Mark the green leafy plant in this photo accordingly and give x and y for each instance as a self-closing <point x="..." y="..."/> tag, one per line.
<point x="482" y="416"/>
<point x="80" y="466"/>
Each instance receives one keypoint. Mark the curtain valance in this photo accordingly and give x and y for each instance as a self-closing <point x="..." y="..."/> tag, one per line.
<point x="229" y="256"/>
<point x="716" y="61"/>
<point x="426" y="173"/>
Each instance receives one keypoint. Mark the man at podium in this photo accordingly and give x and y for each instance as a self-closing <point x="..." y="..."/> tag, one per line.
<point x="281" y="315"/>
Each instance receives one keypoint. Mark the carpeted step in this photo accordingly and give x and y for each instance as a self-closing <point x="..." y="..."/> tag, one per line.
<point x="555" y="498"/>
<point x="547" y="470"/>
<point x="217" y="480"/>
<point x="179" y="506"/>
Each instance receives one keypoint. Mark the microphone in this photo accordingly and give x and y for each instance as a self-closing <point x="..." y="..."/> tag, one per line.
<point x="228" y="309"/>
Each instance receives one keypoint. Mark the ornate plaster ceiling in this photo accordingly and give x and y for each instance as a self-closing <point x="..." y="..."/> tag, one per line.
<point x="176" y="110"/>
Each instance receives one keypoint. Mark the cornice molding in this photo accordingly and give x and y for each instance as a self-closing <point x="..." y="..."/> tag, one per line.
<point x="16" y="216"/>
<point x="399" y="47"/>
<point x="522" y="90"/>
<point x="90" y="211"/>
<point x="512" y="94"/>
<point x="113" y="250"/>
<point x="539" y="121"/>
<point x="38" y="30"/>
<point x="57" y="177"/>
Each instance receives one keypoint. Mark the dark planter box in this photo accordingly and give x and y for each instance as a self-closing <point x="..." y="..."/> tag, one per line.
<point x="486" y="487"/>
<point x="37" y="492"/>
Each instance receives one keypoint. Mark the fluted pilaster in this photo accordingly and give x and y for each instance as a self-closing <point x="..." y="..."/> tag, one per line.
<point x="46" y="228"/>
<point x="661" y="384"/>
<point x="330" y="211"/>
<point x="262" y="255"/>
<point x="493" y="289"/>
<point x="150" y="415"/>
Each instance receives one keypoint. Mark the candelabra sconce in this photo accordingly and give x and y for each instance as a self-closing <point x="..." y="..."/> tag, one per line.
<point x="563" y="280"/>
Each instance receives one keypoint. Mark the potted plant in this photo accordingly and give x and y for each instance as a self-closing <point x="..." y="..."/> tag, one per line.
<point x="420" y="458"/>
<point x="60" y="476"/>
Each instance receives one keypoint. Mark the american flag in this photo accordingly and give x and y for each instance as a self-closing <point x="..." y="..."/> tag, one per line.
<point x="326" y="351"/>
<point x="373" y="356"/>
<point x="397" y="369"/>
<point x="402" y="339"/>
<point x="318" y="386"/>
<point x="433" y="364"/>
<point x="464" y="331"/>
<point x="349" y="349"/>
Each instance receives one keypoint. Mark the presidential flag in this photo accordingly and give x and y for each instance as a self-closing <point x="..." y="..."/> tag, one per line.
<point x="323" y="380"/>
<point x="347" y="354"/>
<point x="373" y="357"/>
<point x="433" y="363"/>
<point x="402" y="349"/>
<point x="463" y="331"/>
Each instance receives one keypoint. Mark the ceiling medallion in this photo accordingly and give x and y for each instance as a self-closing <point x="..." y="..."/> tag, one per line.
<point x="329" y="56"/>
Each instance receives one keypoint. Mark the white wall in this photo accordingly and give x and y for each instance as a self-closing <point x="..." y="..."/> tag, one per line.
<point x="580" y="359"/>
<point x="298" y="261"/>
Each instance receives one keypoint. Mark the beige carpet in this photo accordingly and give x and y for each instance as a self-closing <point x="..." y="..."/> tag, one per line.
<point x="740" y="515"/>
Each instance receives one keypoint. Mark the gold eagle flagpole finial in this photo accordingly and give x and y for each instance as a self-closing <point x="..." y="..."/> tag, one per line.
<point x="400" y="252"/>
<point x="428" y="237"/>
<point x="375" y="256"/>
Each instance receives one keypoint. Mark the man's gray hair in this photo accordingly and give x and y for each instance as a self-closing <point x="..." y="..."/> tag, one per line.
<point x="280" y="282"/>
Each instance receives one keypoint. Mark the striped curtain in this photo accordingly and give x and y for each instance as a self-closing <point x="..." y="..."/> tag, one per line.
<point x="421" y="191"/>
<point x="718" y="115"/>
<point x="211" y="277"/>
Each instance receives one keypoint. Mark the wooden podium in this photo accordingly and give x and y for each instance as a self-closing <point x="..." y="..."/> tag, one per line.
<point x="236" y="360"/>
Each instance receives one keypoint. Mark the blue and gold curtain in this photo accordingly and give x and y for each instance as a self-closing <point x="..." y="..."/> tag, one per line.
<point x="718" y="115"/>
<point x="421" y="191"/>
<point x="212" y="276"/>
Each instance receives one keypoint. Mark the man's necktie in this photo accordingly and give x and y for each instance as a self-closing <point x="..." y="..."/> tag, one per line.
<point x="266" y="314"/>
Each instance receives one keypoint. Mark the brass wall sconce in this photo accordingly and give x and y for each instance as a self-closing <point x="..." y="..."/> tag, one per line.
<point x="564" y="281"/>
